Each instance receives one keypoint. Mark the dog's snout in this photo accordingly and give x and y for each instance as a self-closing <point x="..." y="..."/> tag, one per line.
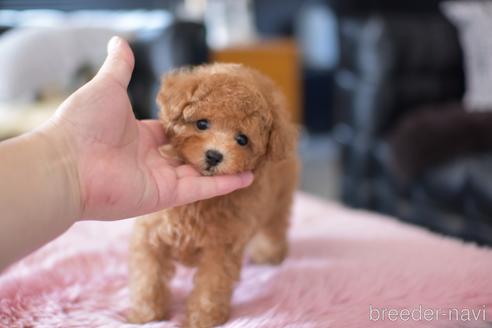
<point x="213" y="157"/>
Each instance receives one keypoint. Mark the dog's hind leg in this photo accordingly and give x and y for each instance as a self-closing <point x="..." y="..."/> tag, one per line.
<point x="269" y="245"/>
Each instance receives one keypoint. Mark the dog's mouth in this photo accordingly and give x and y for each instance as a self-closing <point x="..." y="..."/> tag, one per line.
<point x="201" y="166"/>
<point x="209" y="170"/>
<point x="205" y="169"/>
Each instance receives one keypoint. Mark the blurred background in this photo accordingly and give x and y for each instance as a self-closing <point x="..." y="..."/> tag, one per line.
<point x="392" y="97"/>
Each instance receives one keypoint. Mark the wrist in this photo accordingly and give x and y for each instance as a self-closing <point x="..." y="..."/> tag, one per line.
<point x="60" y="163"/>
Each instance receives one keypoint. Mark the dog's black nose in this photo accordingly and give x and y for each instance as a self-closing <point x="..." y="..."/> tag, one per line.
<point x="213" y="157"/>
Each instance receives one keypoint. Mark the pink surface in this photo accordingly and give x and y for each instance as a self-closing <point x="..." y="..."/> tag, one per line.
<point x="341" y="263"/>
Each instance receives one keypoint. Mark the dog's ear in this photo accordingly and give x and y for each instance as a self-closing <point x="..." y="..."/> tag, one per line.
<point x="176" y="92"/>
<point x="283" y="134"/>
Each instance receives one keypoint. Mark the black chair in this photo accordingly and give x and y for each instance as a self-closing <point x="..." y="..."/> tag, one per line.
<point x="394" y="65"/>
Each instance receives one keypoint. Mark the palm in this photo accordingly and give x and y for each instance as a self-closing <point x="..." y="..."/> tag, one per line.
<point x="120" y="170"/>
<point x="119" y="162"/>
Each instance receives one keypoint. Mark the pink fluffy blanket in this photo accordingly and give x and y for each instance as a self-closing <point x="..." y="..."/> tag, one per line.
<point x="346" y="268"/>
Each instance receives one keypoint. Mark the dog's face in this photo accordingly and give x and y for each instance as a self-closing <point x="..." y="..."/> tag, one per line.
<point x="217" y="135"/>
<point x="220" y="120"/>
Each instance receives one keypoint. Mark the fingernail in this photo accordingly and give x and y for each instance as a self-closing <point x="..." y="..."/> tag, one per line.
<point x="113" y="44"/>
<point x="247" y="178"/>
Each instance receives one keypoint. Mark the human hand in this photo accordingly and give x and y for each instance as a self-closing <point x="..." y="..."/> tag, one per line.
<point x="113" y="158"/>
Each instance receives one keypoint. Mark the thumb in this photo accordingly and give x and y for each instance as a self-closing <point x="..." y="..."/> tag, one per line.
<point x="119" y="62"/>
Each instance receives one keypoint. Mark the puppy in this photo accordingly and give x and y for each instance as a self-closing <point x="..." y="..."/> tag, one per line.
<point x="221" y="119"/>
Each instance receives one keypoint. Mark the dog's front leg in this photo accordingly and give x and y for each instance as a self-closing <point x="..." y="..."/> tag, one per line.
<point x="218" y="270"/>
<point x="150" y="270"/>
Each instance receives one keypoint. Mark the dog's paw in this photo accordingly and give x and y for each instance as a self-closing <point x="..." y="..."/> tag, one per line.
<point x="264" y="251"/>
<point x="268" y="257"/>
<point x="205" y="312"/>
<point x="206" y="319"/>
<point x="145" y="315"/>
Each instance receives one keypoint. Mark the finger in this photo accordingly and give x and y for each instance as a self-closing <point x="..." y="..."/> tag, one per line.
<point x="191" y="189"/>
<point x="156" y="130"/>
<point x="119" y="62"/>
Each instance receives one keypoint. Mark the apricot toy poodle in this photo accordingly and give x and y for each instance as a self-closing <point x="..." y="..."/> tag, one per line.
<point x="221" y="119"/>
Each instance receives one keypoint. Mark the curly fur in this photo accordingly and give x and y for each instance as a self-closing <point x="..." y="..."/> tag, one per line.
<point x="214" y="234"/>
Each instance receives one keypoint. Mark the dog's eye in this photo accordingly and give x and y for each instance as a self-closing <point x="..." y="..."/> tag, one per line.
<point x="202" y="124"/>
<point x="242" y="140"/>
